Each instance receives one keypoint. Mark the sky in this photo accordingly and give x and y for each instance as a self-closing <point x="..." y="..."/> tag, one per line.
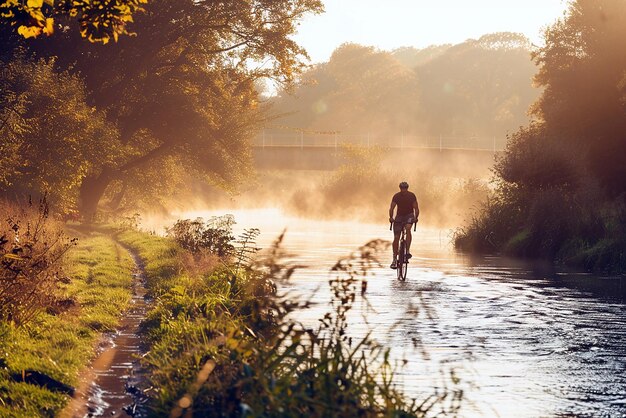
<point x="389" y="24"/>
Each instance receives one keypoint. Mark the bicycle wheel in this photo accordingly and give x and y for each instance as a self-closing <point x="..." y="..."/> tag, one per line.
<point x="402" y="262"/>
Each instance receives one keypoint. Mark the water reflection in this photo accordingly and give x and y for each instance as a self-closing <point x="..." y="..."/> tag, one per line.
<point x="526" y="340"/>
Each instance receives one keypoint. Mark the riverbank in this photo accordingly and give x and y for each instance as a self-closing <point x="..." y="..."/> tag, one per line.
<point x="573" y="229"/>
<point x="42" y="360"/>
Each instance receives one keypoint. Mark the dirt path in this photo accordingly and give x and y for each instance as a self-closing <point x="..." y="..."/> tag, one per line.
<point x="111" y="386"/>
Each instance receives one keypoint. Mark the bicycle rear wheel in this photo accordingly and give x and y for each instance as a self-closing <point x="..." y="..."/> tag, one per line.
<point x="402" y="261"/>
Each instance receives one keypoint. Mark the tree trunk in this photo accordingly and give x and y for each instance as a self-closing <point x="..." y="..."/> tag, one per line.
<point x="91" y="191"/>
<point x="93" y="187"/>
<point x="116" y="201"/>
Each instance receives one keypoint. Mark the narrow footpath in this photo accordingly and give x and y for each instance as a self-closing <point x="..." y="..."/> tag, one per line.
<point x="111" y="386"/>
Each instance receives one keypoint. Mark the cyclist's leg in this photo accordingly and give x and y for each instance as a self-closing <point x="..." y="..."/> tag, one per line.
<point x="396" y="240"/>
<point x="397" y="230"/>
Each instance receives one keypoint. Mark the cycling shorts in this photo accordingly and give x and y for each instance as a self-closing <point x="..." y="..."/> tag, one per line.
<point x="402" y="220"/>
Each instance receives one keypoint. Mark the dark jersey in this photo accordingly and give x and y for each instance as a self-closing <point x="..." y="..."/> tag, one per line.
<point x="405" y="201"/>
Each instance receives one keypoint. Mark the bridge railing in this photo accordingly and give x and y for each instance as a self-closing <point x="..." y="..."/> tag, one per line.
<point x="309" y="140"/>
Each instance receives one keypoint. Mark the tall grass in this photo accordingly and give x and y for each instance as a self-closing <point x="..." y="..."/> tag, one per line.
<point x="59" y="343"/>
<point x="580" y="228"/>
<point x="32" y="247"/>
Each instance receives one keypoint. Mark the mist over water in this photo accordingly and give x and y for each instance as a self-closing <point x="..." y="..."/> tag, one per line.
<point x="525" y="340"/>
<point x="449" y="184"/>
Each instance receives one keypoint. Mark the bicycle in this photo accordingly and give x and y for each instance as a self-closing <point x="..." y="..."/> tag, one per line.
<point x="402" y="260"/>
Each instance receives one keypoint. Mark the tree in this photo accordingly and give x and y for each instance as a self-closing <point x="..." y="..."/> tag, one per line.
<point x="359" y="90"/>
<point x="479" y="87"/>
<point x="184" y="87"/>
<point x="560" y="183"/>
<point x="98" y="20"/>
<point x="50" y="136"/>
<point x="582" y="67"/>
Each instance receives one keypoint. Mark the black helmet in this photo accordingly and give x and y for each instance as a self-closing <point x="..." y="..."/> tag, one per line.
<point x="404" y="185"/>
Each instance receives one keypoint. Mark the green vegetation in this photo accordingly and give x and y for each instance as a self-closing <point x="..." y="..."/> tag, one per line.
<point x="221" y="343"/>
<point x="561" y="193"/>
<point x="31" y="252"/>
<point x="177" y="101"/>
<point x="69" y="139"/>
<point x="60" y="340"/>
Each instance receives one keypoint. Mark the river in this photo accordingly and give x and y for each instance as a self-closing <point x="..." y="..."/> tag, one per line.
<point x="525" y="340"/>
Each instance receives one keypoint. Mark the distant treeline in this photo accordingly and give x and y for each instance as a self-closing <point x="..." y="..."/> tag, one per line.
<point x="562" y="181"/>
<point x="476" y="88"/>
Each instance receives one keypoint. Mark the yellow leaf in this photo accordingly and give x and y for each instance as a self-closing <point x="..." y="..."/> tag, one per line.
<point x="29" y="31"/>
<point x="49" y="28"/>
<point x="35" y="4"/>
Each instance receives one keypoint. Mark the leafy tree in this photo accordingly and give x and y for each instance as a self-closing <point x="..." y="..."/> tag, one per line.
<point x="561" y="182"/>
<point x="583" y="68"/>
<point x="98" y="20"/>
<point x="50" y="136"/>
<point x="184" y="88"/>
<point x="359" y="90"/>
<point x="412" y="57"/>
<point x="478" y="87"/>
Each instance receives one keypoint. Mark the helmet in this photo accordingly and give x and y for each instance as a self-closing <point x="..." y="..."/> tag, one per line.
<point x="404" y="185"/>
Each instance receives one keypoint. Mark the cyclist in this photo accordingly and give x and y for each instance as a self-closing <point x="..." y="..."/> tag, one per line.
<point x="407" y="213"/>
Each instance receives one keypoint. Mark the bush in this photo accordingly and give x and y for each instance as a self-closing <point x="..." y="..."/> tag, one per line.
<point x="499" y="218"/>
<point x="31" y="250"/>
<point x="214" y="235"/>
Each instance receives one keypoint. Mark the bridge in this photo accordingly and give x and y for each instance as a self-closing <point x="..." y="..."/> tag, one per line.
<point x="306" y="151"/>
<point x="336" y="140"/>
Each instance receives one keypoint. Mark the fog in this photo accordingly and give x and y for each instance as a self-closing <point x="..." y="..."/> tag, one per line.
<point x="448" y="187"/>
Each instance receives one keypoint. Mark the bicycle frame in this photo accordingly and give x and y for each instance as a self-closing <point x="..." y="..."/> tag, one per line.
<point x="402" y="261"/>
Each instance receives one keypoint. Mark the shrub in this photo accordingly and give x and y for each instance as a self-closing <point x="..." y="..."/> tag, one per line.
<point x="214" y="235"/>
<point x="500" y="217"/>
<point x="31" y="250"/>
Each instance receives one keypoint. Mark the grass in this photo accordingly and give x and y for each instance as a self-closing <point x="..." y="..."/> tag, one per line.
<point x="61" y="345"/>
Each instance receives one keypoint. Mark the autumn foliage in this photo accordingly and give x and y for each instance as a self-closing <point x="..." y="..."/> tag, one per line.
<point x="98" y="20"/>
